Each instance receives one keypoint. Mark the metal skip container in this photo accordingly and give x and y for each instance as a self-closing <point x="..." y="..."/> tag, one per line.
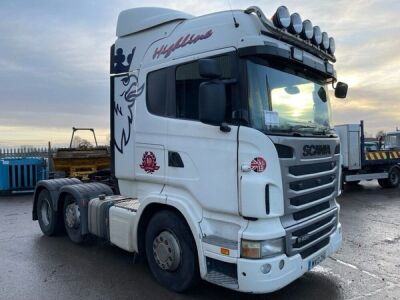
<point x="21" y="174"/>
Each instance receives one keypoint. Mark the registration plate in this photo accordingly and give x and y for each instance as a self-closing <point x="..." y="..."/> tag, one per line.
<point x="316" y="260"/>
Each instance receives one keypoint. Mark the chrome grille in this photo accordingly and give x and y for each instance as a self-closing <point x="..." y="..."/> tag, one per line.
<point x="313" y="234"/>
<point x="310" y="186"/>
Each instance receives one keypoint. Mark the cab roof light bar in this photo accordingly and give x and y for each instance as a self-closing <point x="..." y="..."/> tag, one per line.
<point x="291" y="29"/>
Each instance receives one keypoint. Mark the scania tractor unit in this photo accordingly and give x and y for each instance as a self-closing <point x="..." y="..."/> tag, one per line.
<point x="224" y="162"/>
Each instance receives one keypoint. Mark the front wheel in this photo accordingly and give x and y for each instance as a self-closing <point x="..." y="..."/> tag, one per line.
<point x="171" y="251"/>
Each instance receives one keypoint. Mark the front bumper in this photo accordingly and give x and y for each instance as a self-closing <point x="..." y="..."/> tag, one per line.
<point x="252" y="280"/>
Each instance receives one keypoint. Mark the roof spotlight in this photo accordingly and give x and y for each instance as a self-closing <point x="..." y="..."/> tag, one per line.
<point x="308" y="31"/>
<point x="281" y="18"/>
<point x="332" y="46"/>
<point x="325" y="41"/>
<point x="296" y="26"/>
<point x="317" y="36"/>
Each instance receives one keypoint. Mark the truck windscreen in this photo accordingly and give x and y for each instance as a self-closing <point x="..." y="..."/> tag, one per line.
<point x="283" y="100"/>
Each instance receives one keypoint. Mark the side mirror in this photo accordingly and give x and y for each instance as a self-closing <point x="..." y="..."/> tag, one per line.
<point x="212" y="102"/>
<point x="209" y="68"/>
<point x="341" y="90"/>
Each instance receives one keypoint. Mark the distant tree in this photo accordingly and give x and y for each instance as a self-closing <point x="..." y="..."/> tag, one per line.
<point x="79" y="142"/>
<point x="380" y="133"/>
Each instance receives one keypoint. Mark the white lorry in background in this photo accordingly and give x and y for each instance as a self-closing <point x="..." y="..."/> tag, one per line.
<point x="360" y="162"/>
<point x="224" y="162"/>
<point x="392" y="140"/>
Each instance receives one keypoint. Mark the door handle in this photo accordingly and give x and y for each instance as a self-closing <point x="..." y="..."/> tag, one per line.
<point x="245" y="168"/>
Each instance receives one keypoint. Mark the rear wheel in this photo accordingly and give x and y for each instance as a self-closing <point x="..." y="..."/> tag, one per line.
<point x="393" y="179"/>
<point x="171" y="251"/>
<point x="72" y="220"/>
<point x="47" y="217"/>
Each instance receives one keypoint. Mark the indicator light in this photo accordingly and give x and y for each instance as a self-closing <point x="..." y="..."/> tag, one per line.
<point x="224" y="251"/>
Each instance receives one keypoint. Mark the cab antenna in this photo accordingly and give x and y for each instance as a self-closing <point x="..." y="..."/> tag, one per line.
<point x="233" y="16"/>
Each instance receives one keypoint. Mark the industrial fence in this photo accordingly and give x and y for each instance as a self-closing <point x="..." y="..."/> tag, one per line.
<point x="22" y="152"/>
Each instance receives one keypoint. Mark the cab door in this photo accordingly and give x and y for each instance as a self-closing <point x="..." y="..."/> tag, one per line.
<point x="201" y="159"/>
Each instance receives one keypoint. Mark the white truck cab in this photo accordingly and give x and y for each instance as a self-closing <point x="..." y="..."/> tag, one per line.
<point x="392" y="140"/>
<point x="225" y="164"/>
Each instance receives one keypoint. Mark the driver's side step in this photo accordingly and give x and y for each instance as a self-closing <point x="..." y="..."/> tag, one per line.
<point x="131" y="204"/>
<point x="222" y="273"/>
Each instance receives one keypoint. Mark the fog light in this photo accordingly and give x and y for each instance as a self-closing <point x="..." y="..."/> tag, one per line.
<point x="325" y="41"/>
<point x="265" y="269"/>
<point x="281" y="18"/>
<point x="296" y="25"/>
<point x="317" y="37"/>
<point x="332" y="46"/>
<point x="308" y="30"/>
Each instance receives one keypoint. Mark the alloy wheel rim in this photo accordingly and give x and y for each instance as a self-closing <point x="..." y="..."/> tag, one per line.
<point x="166" y="251"/>
<point x="72" y="216"/>
<point x="45" y="211"/>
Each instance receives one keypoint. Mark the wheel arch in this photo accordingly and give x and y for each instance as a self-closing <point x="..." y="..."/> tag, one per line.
<point x="190" y="218"/>
<point x="396" y="166"/>
<point x="82" y="193"/>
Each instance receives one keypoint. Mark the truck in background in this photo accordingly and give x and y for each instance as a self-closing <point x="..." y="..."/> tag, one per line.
<point x="368" y="163"/>
<point x="225" y="165"/>
<point x="392" y="140"/>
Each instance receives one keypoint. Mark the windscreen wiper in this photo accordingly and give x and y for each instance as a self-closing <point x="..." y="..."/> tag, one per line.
<point x="315" y="132"/>
<point x="288" y="131"/>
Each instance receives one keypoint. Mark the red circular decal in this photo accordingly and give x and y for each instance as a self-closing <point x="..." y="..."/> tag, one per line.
<point x="258" y="164"/>
<point x="149" y="162"/>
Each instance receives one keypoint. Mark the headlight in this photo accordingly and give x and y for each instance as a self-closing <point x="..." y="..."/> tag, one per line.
<point x="261" y="249"/>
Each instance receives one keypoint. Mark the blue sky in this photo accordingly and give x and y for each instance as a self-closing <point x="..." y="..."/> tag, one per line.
<point x="55" y="56"/>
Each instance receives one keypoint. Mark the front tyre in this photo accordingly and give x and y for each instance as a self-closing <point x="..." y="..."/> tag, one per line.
<point x="171" y="251"/>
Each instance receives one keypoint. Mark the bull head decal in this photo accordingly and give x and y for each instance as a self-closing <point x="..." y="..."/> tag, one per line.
<point x="127" y="89"/>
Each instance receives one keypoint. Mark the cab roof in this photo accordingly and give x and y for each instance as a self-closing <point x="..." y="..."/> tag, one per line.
<point x="137" y="19"/>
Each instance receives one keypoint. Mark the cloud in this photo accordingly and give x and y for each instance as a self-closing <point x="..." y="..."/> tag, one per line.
<point x="55" y="58"/>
